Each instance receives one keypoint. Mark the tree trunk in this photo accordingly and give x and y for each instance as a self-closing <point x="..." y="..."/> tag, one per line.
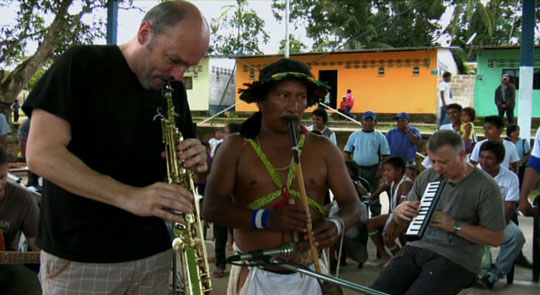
<point x="19" y="78"/>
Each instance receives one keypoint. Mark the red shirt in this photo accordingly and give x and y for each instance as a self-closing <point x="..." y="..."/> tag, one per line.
<point x="350" y="98"/>
<point x="343" y="105"/>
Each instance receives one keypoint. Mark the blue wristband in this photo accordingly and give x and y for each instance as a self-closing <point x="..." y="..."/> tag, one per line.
<point x="254" y="218"/>
<point x="265" y="215"/>
<point x="259" y="219"/>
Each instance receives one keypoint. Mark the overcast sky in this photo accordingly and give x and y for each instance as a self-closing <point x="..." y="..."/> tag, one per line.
<point x="129" y="20"/>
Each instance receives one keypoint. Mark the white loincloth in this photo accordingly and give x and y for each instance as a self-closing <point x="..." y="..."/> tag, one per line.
<point x="260" y="282"/>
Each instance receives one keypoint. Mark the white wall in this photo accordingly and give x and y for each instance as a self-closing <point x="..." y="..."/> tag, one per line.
<point x="446" y="62"/>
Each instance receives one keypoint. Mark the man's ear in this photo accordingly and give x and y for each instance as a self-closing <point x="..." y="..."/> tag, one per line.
<point x="462" y="155"/>
<point x="144" y="35"/>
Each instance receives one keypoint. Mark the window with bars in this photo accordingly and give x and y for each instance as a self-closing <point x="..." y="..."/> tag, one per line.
<point x="514" y="77"/>
<point x="188" y="82"/>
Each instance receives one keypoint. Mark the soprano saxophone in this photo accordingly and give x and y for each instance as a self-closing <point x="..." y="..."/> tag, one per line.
<point x="189" y="242"/>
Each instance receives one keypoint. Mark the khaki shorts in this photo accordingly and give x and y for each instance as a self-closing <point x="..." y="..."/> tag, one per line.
<point x="145" y="276"/>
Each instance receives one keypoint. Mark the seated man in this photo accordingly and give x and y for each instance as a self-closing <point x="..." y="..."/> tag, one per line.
<point x="491" y="157"/>
<point x="18" y="214"/>
<point x="454" y="113"/>
<point x="493" y="128"/>
<point x="251" y="189"/>
<point x="448" y="257"/>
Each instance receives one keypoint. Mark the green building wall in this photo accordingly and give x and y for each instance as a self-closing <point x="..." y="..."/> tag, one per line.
<point x="491" y="64"/>
<point x="199" y="94"/>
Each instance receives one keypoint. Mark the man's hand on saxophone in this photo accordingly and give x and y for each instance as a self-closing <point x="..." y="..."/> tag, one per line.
<point x="193" y="154"/>
<point x="160" y="199"/>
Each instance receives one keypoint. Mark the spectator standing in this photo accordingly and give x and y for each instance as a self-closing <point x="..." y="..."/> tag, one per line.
<point x="320" y="118"/>
<point x="403" y="139"/>
<point x="350" y="101"/>
<point x="368" y="148"/>
<point x="16" y="107"/>
<point x="467" y="128"/>
<point x="445" y="97"/>
<point x="505" y="98"/>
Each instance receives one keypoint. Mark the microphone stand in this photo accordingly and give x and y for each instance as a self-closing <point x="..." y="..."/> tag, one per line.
<point x="318" y="275"/>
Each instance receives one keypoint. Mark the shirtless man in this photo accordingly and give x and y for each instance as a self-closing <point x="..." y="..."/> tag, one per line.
<point x="254" y="176"/>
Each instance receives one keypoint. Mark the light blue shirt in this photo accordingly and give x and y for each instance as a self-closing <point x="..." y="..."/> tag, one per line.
<point x="4" y="126"/>
<point x="367" y="147"/>
<point x="522" y="147"/>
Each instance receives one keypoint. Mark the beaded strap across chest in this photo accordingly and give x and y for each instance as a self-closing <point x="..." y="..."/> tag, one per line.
<point x="284" y="190"/>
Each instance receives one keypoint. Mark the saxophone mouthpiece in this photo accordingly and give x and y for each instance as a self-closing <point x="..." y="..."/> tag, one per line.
<point x="167" y="90"/>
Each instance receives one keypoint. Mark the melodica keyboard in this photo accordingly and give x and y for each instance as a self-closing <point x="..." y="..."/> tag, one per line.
<point x="427" y="207"/>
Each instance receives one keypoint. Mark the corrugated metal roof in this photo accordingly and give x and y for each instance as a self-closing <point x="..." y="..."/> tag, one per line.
<point x="499" y="47"/>
<point x="350" y="51"/>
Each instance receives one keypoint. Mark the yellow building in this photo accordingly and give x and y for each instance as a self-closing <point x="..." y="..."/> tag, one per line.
<point x="381" y="80"/>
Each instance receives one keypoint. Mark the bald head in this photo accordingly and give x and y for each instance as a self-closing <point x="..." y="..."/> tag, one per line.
<point x="169" y="13"/>
<point x="172" y="37"/>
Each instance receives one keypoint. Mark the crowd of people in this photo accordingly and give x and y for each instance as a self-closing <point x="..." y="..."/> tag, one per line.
<point x="101" y="226"/>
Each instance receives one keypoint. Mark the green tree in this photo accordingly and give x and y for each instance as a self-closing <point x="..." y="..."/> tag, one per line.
<point x="334" y="23"/>
<point x="31" y="25"/>
<point x="495" y="22"/>
<point x="295" y="45"/>
<point x="238" y="31"/>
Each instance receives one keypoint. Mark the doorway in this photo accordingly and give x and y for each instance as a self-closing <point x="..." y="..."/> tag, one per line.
<point x="330" y="78"/>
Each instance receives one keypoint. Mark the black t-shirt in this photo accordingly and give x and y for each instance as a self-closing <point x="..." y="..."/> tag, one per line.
<point x="114" y="131"/>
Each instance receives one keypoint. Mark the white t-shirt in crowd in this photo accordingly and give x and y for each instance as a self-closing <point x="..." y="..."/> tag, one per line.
<point x="447" y="88"/>
<point x="508" y="183"/>
<point x="213" y="142"/>
<point x="510" y="155"/>
<point x="427" y="163"/>
<point x="447" y="127"/>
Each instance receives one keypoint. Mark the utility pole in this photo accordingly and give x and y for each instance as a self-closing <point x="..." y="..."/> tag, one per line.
<point x="526" y="70"/>
<point x="287" y="41"/>
<point x="112" y="21"/>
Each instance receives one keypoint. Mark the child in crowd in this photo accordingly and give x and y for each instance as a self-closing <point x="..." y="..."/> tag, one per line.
<point x="523" y="149"/>
<point x="412" y="171"/>
<point x="355" y="239"/>
<point x="400" y="185"/>
<point x="468" y="115"/>
<point x="352" y="168"/>
<point x="343" y="105"/>
<point x="215" y="141"/>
